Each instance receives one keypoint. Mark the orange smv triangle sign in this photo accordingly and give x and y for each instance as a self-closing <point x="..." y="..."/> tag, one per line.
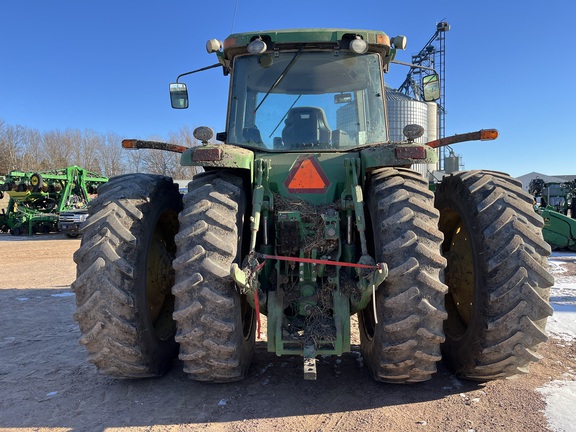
<point x="307" y="176"/>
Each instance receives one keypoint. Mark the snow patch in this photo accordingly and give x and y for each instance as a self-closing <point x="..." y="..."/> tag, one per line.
<point x="562" y="297"/>
<point x="560" y="396"/>
<point x="63" y="294"/>
<point x="560" y="402"/>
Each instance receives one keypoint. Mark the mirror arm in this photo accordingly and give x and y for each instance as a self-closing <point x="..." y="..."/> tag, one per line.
<point x="198" y="70"/>
<point x="414" y="66"/>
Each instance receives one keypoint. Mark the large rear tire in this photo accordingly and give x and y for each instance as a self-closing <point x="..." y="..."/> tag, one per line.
<point x="215" y="322"/>
<point x="403" y="346"/>
<point x="497" y="275"/>
<point x="124" y="276"/>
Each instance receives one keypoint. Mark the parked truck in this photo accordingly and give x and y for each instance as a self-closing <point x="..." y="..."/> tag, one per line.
<point x="308" y="214"/>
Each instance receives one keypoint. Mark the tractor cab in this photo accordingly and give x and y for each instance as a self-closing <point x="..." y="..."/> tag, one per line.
<point x="302" y="100"/>
<point x="294" y="91"/>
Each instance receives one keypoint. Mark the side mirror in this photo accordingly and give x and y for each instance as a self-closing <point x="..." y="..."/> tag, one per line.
<point x="431" y="87"/>
<point x="178" y="95"/>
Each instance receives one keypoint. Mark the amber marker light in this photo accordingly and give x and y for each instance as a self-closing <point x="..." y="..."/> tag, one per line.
<point x="488" y="134"/>
<point x="129" y="144"/>
<point x="382" y="40"/>
<point x="229" y="42"/>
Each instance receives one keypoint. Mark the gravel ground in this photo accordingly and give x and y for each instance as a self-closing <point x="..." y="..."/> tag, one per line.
<point x="47" y="384"/>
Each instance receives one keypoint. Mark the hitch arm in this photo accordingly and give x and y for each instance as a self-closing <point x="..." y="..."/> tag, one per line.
<point x="481" y="135"/>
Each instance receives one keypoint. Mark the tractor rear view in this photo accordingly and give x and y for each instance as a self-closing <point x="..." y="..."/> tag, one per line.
<point x="308" y="214"/>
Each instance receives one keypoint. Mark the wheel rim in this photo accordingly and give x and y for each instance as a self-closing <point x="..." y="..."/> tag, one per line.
<point x="159" y="281"/>
<point x="368" y="321"/>
<point x="460" y="275"/>
<point x="248" y="314"/>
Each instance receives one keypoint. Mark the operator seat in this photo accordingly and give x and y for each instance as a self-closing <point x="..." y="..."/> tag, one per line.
<point x="306" y="127"/>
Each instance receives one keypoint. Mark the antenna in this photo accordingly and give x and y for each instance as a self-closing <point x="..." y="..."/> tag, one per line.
<point x="234" y="16"/>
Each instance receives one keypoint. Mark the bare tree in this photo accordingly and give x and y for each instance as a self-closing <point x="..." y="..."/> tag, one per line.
<point x="11" y="142"/>
<point x="111" y="156"/>
<point x="32" y="155"/>
<point x="135" y="160"/>
<point x="59" y="148"/>
<point x="161" y="162"/>
<point x="30" y="150"/>
<point x="86" y="149"/>
<point x="184" y="137"/>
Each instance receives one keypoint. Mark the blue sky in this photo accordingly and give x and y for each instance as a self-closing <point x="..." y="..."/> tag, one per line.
<point x="106" y="65"/>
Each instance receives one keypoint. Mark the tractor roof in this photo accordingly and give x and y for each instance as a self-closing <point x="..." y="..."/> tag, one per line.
<point x="312" y="38"/>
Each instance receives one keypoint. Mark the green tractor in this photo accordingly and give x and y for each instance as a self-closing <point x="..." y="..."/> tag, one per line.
<point x="553" y="202"/>
<point x="308" y="214"/>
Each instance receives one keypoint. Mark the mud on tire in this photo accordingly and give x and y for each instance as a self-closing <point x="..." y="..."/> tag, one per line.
<point x="124" y="276"/>
<point x="215" y="323"/>
<point x="404" y="345"/>
<point x="497" y="275"/>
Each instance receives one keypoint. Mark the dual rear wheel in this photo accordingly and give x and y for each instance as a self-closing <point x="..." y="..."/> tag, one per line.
<point x="130" y="299"/>
<point x="490" y="317"/>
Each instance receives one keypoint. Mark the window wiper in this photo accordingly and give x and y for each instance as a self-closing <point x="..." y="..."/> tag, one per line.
<point x="284" y="116"/>
<point x="280" y="78"/>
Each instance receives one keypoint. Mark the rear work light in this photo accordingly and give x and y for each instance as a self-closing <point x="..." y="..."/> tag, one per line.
<point x="411" y="152"/>
<point x="358" y="45"/>
<point x="207" y="154"/>
<point x="257" y="46"/>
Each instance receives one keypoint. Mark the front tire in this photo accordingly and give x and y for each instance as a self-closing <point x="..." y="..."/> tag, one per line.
<point x="124" y="276"/>
<point x="215" y="322"/>
<point x="403" y="346"/>
<point x="497" y="275"/>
